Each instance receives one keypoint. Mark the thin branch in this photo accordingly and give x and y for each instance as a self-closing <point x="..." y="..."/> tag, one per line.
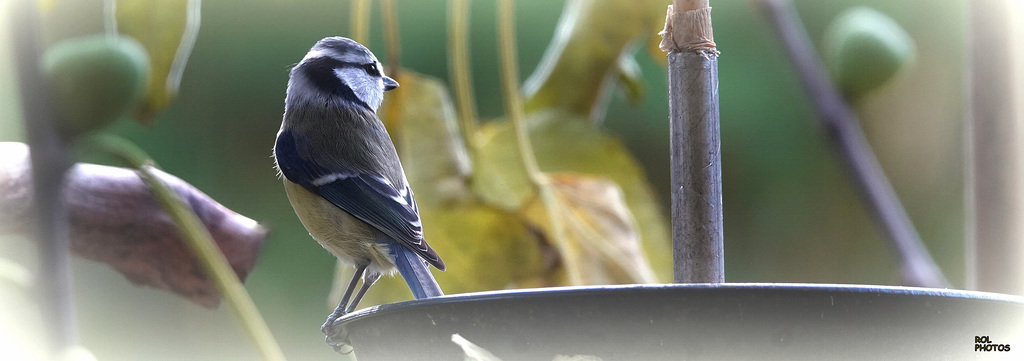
<point x="843" y="133"/>
<point x="514" y="109"/>
<point x="50" y="159"/>
<point x="459" y="67"/>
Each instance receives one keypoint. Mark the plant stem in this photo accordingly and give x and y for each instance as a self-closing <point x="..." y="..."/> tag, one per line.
<point x="360" y="21"/>
<point x="198" y="239"/>
<point x="110" y="18"/>
<point x="843" y="133"/>
<point x="697" y="229"/>
<point x="392" y="44"/>
<point x="514" y="109"/>
<point x="50" y="158"/>
<point x="459" y="67"/>
<point x="188" y="40"/>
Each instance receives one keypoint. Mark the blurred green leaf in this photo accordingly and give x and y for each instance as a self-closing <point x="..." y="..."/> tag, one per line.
<point x="600" y="229"/>
<point x="591" y="37"/>
<point x="566" y="143"/>
<point x="168" y="29"/>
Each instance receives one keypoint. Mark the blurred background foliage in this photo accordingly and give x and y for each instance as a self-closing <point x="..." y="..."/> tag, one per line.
<point x="790" y="214"/>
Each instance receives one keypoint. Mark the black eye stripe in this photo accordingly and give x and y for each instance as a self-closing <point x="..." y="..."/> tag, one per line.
<point x="320" y="72"/>
<point x="325" y="61"/>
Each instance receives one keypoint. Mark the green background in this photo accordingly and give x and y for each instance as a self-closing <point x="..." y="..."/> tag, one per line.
<point x="790" y="214"/>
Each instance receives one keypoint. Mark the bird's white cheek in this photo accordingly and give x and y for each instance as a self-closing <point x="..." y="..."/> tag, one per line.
<point x="369" y="90"/>
<point x="374" y="92"/>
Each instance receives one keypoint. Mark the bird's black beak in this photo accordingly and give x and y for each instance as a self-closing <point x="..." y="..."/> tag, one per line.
<point x="389" y="83"/>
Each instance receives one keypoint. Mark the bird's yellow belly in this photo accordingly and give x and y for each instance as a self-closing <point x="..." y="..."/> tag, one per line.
<point x="348" y="238"/>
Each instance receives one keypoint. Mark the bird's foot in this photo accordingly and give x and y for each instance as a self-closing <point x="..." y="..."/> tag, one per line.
<point x="336" y="335"/>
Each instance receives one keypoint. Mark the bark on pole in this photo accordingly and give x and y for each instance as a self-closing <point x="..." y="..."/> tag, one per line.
<point x="696" y="158"/>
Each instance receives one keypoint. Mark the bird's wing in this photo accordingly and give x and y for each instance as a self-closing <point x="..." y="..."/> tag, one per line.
<point x="366" y="196"/>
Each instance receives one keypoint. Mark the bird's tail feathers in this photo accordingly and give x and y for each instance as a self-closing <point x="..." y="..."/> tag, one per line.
<point x="415" y="272"/>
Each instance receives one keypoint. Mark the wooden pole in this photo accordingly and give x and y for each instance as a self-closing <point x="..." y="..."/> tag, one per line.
<point x="697" y="244"/>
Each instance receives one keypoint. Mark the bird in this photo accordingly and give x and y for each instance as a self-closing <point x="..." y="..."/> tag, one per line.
<point x="342" y="174"/>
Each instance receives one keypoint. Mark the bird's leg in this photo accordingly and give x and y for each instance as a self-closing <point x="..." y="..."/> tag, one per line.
<point x="335" y="336"/>
<point x="340" y="310"/>
<point x="368" y="281"/>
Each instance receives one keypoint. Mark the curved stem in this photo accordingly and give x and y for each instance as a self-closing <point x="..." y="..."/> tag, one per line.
<point x="188" y="40"/>
<point x="199" y="240"/>
<point x="510" y="83"/>
<point x="392" y="45"/>
<point x="110" y="18"/>
<point x="360" y="21"/>
<point x="459" y="67"/>
<point x="215" y="264"/>
<point x="514" y="108"/>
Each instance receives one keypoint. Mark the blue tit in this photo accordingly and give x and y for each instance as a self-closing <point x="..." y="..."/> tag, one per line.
<point x="342" y="174"/>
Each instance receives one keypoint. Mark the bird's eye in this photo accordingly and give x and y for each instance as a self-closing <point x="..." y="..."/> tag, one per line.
<point x="371" y="69"/>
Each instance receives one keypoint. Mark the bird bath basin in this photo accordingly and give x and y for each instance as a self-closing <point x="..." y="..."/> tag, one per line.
<point x="732" y="321"/>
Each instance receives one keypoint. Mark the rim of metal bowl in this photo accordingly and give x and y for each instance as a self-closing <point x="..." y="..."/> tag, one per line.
<point x="536" y="293"/>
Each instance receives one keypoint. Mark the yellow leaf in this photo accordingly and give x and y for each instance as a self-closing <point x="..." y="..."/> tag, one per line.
<point x="484" y="249"/>
<point x="565" y="143"/>
<point x="590" y="38"/>
<point x="599" y="228"/>
<point x="167" y="29"/>
<point x="654" y="50"/>
<point x="421" y="120"/>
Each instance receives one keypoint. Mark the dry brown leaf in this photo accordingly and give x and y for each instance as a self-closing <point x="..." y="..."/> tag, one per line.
<point x="601" y="232"/>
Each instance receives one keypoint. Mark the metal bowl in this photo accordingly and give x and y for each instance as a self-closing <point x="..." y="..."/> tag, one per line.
<point x="731" y="321"/>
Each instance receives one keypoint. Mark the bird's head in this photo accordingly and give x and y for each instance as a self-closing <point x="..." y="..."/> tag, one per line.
<point x="341" y="68"/>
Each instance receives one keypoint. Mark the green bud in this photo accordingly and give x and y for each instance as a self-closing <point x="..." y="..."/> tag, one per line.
<point x="864" y="49"/>
<point x="96" y="79"/>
